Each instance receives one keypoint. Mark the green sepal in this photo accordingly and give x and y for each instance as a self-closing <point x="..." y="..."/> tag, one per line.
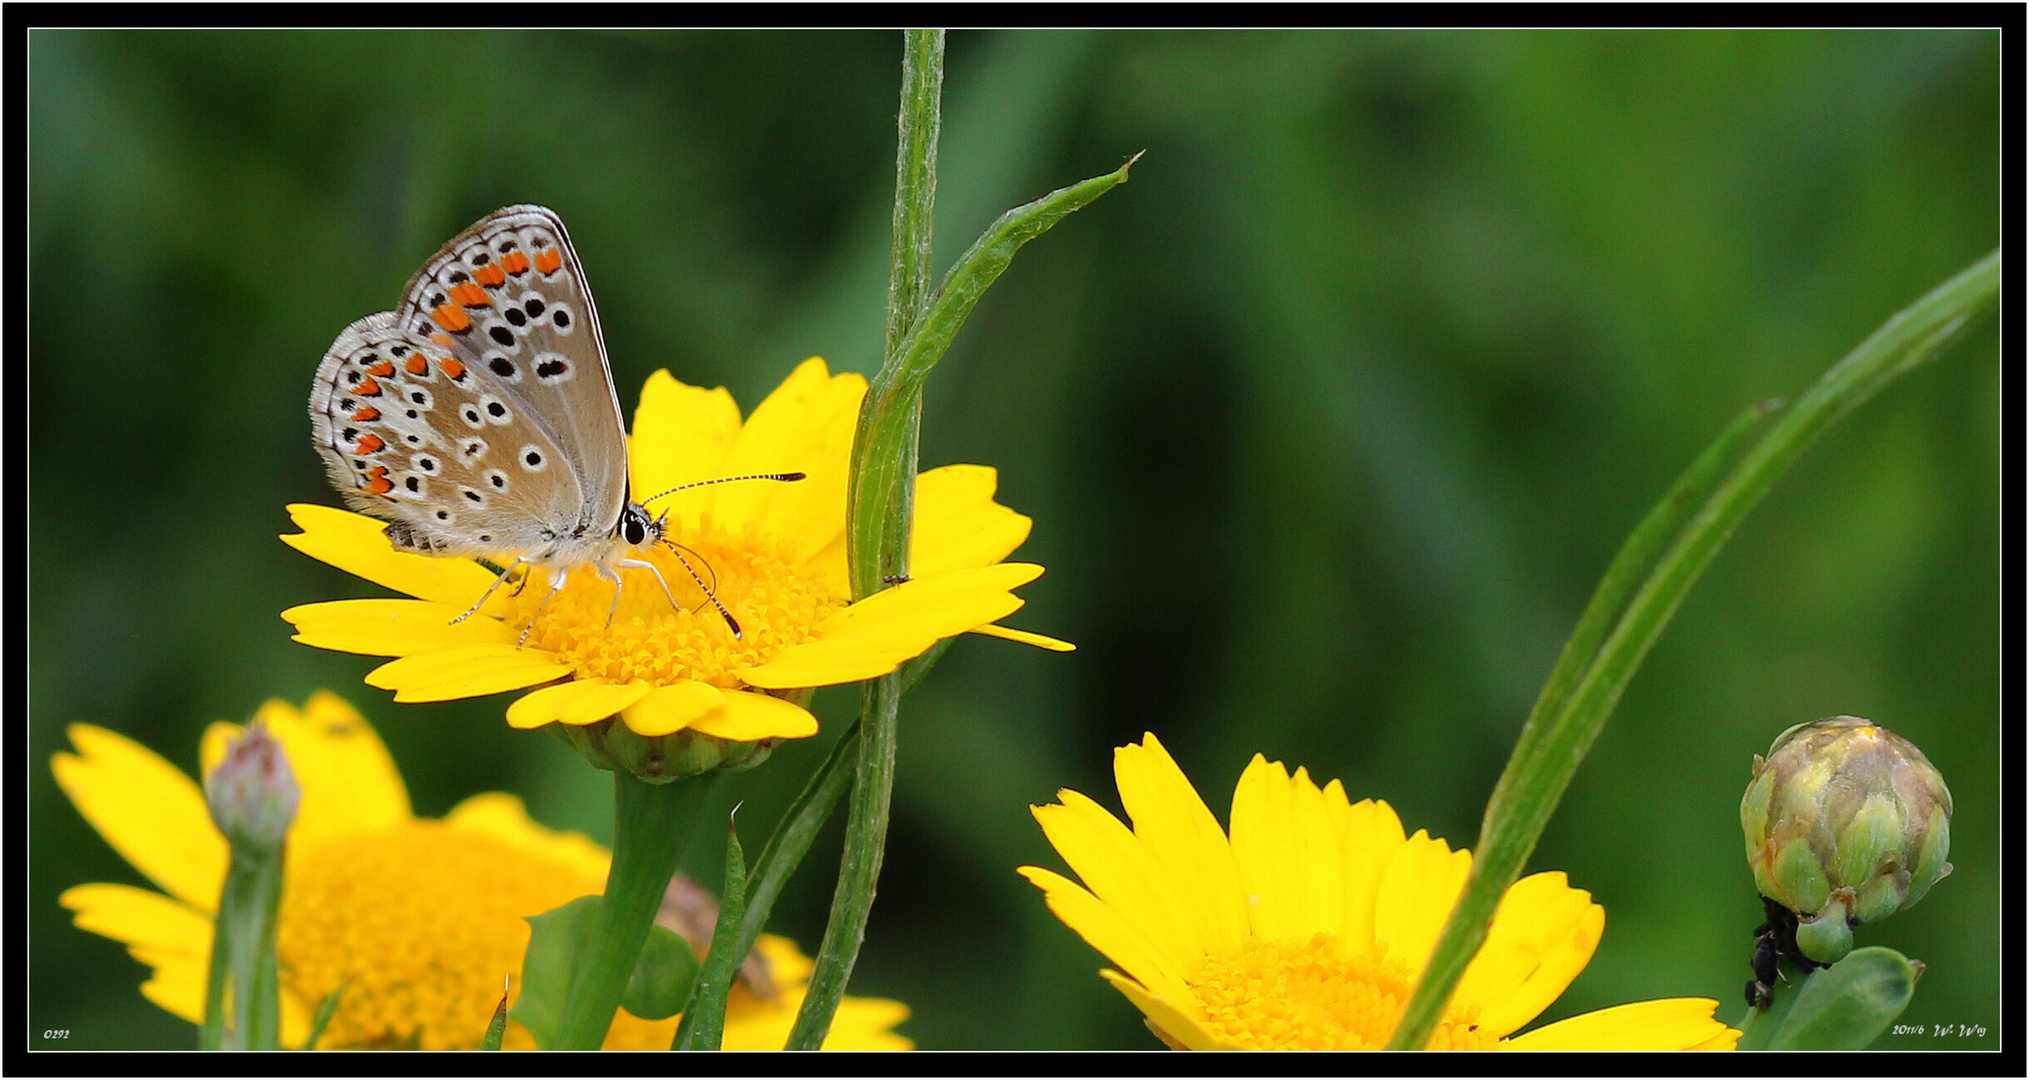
<point x="1842" y="1007"/>
<point x="325" y="1011"/>
<point x="496" y="1030"/>
<point x="656" y="988"/>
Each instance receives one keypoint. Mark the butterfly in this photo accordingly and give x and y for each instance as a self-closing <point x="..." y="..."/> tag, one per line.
<point x="479" y="418"/>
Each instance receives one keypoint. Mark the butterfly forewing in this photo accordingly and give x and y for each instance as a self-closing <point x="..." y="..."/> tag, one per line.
<point x="509" y="301"/>
<point x="410" y="433"/>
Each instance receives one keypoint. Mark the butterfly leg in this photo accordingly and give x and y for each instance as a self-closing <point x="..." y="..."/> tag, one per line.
<point x="488" y="594"/>
<point x="637" y="564"/>
<point x="557" y="577"/>
<point x="613" y="576"/>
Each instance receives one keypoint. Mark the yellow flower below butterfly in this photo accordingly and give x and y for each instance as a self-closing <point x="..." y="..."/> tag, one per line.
<point x="1308" y="927"/>
<point x="422" y="915"/>
<point x="772" y="553"/>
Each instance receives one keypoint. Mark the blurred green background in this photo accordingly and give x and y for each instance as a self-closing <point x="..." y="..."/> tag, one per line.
<point x="1328" y="421"/>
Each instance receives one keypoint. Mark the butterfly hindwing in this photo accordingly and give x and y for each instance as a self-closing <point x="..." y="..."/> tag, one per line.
<point x="409" y="433"/>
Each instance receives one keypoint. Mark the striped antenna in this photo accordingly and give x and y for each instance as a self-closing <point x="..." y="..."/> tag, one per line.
<point x="724" y="480"/>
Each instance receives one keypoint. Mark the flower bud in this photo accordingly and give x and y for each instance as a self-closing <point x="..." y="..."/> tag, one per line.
<point x="252" y="793"/>
<point x="1846" y="823"/>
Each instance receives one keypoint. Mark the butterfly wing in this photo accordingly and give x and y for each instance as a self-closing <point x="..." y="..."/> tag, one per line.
<point x="411" y="433"/>
<point x="508" y="298"/>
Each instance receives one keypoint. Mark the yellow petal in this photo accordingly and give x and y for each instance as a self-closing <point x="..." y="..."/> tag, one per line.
<point x="1542" y="936"/>
<point x="1666" y="1024"/>
<point x="669" y="709"/>
<point x="1185" y="839"/>
<point x="148" y="810"/>
<point x="1320" y="862"/>
<point x="1369" y="834"/>
<point x="171" y="938"/>
<point x="1113" y="935"/>
<point x="465" y="671"/>
<point x="349" y="780"/>
<point x="1417" y="892"/>
<point x="958" y="526"/>
<point x="502" y="817"/>
<point x="860" y="1024"/>
<point x="1178" y="1020"/>
<point x="750" y="717"/>
<point x="1121" y="872"/>
<point x="1266" y="851"/>
<point x="391" y="627"/>
<point x="829" y="569"/>
<point x="682" y="434"/>
<point x="357" y="545"/>
<point x="1041" y="641"/>
<point x="578" y="702"/>
<point x="874" y="636"/>
<point x="805" y="426"/>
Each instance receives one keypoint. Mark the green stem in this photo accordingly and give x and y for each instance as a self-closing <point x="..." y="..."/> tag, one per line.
<point x="652" y="824"/>
<point x="859" y="865"/>
<point x="243" y="956"/>
<point x="880" y="495"/>
<point x="1559" y="732"/>
<point x="880" y="509"/>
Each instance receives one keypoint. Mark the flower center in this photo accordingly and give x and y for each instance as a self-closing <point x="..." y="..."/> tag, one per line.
<point x="1275" y="996"/>
<point x="776" y="600"/>
<point x="423" y="919"/>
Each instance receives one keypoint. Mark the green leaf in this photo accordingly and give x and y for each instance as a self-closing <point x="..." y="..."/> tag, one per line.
<point x="656" y="987"/>
<point x="556" y="938"/>
<point x="662" y="977"/>
<point x="497" y="1029"/>
<point x="325" y="1010"/>
<point x="704" y="1026"/>
<point x="1848" y="1005"/>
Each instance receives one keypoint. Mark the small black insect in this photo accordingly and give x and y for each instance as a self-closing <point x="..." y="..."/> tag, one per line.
<point x="1773" y="941"/>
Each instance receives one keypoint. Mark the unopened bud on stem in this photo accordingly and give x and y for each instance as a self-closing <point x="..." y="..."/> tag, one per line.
<point x="252" y="793"/>
<point x="1846" y="823"/>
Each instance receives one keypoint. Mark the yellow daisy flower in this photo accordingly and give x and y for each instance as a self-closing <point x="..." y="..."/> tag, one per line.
<point x="1307" y="929"/>
<point x="423" y="916"/>
<point x="773" y="554"/>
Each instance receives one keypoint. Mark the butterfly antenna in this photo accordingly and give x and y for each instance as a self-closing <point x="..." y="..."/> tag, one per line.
<point x="725" y="480"/>
<point x="679" y="549"/>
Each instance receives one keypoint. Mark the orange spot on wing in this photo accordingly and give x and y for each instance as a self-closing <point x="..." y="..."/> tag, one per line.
<point x="444" y="341"/>
<point x="369" y="444"/>
<point x="549" y="261"/>
<point x="452" y="368"/>
<point x="490" y="276"/>
<point x="469" y="294"/>
<point x="378" y="483"/>
<point x="450" y="318"/>
<point x="418" y="364"/>
<point x="365" y="413"/>
<point x="367" y="388"/>
<point x="514" y="262"/>
<point x="382" y="370"/>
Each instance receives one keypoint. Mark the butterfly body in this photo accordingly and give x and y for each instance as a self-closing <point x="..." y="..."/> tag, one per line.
<point x="479" y="417"/>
